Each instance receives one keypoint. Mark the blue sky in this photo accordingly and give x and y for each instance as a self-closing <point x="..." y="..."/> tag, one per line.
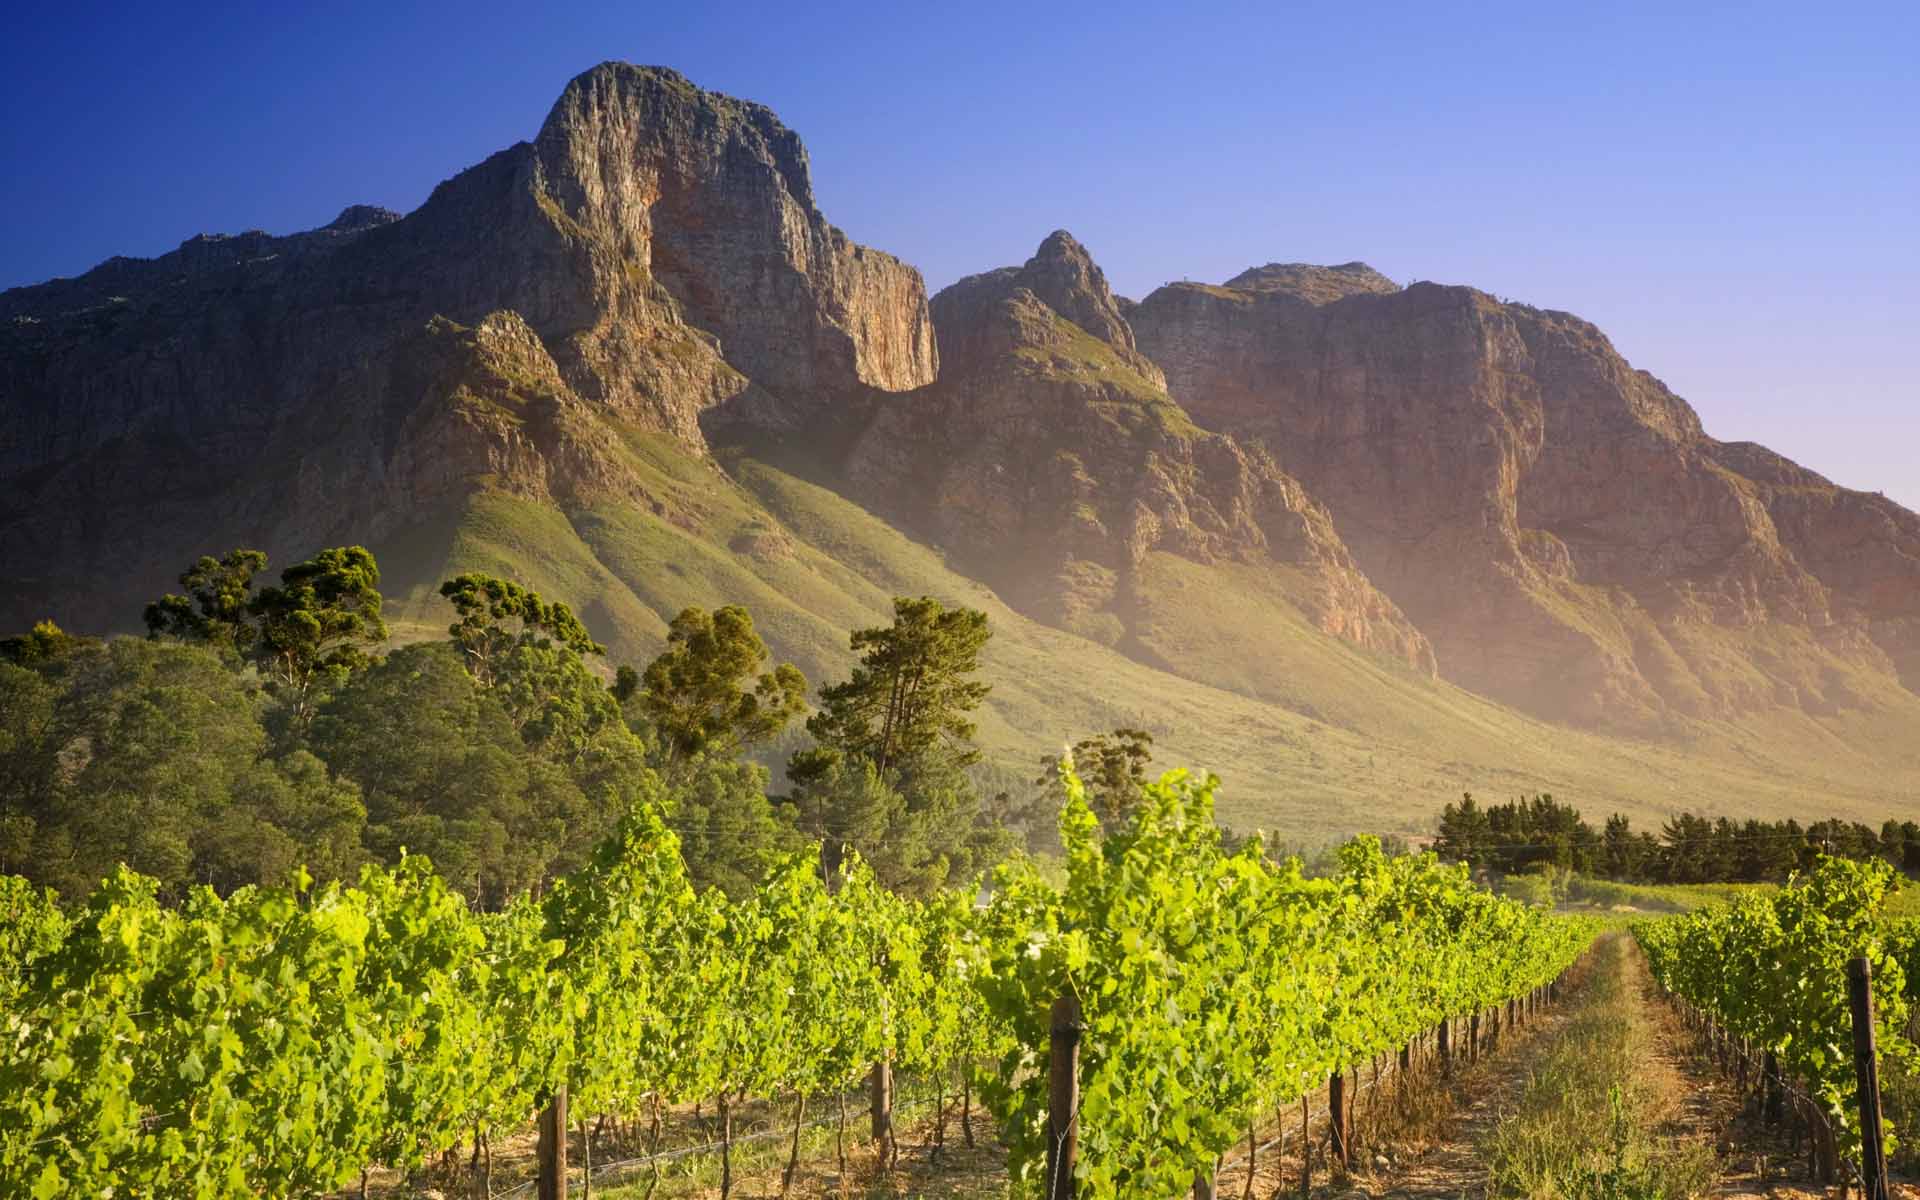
<point x="1731" y="191"/>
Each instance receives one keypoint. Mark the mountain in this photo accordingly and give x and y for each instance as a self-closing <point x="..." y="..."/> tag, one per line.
<point x="1050" y="462"/>
<point x="339" y="383"/>
<point x="1557" y="522"/>
<point x="1355" y="546"/>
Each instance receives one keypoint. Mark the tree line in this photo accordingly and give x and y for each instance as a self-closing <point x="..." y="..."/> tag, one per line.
<point x="263" y="726"/>
<point x="1535" y="833"/>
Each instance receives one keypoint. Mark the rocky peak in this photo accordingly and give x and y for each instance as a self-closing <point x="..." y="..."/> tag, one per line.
<point x="1057" y="303"/>
<point x="355" y="217"/>
<point x="1314" y="284"/>
<point x="627" y="123"/>
<point x="709" y="199"/>
<point x="652" y="262"/>
<point x="1066" y="279"/>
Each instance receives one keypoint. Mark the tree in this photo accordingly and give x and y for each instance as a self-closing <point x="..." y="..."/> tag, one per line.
<point x="848" y="805"/>
<point x="1530" y="831"/>
<point x="318" y="625"/>
<point x="920" y="826"/>
<point x="1622" y="856"/>
<point x="1687" y="850"/>
<point x="27" y="761"/>
<point x="43" y="644"/>
<point x="281" y="816"/>
<point x="531" y="654"/>
<point x="730" y="833"/>
<point x="217" y="605"/>
<point x="1112" y="766"/>
<point x="626" y="685"/>
<point x="150" y="741"/>
<point x="703" y="695"/>
<point x="153" y="754"/>
<point x="316" y="628"/>
<point x="446" y="773"/>
<point x="910" y="694"/>
<point x="486" y="604"/>
<point x="1465" y="833"/>
<point x="887" y="776"/>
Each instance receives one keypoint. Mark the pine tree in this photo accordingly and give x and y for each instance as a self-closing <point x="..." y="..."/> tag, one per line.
<point x="706" y="694"/>
<point x="910" y="694"/>
<point x="1465" y="833"/>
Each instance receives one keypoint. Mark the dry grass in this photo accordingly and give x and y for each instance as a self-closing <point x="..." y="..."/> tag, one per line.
<point x="1595" y="1121"/>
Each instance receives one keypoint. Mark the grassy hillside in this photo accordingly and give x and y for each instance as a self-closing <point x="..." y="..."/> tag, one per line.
<point x="1314" y="737"/>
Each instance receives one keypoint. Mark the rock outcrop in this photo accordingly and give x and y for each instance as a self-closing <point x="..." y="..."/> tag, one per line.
<point x="710" y="200"/>
<point x="654" y="259"/>
<point x="1557" y="522"/>
<point x="1049" y="461"/>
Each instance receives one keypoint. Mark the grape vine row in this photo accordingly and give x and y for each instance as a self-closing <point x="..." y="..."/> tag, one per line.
<point x="278" y="1040"/>
<point x="1771" y="970"/>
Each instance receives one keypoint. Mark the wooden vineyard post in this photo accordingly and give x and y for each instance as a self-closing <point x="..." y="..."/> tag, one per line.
<point x="1473" y="1037"/>
<point x="1337" y="1116"/>
<point x="552" y="1148"/>
<point x="1446" y="1048"/>
<point x="1866" y="1070"/>
<point x="880" y="1096"/>
<point x="1063" y="1098"/>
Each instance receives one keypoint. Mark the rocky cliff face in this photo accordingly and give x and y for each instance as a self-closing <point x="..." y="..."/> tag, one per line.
<point x="1049" y="461"/>
<point x="710" y="200"/>
<point x="1556" y="521"/>
<point x="1425" y="472"/>
<point x="652" y="260"/>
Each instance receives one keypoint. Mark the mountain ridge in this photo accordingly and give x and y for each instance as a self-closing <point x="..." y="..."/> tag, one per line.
<point x="630" y="361"/>
<point x="1568" y="471"/>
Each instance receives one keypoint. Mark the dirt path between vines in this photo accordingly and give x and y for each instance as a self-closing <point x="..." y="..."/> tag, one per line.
<point x="1443" y="1153"/>
<point x="1440" y="1154"/>
<point x="1695" y="1102"/>
<point x="1413" y="1142"/>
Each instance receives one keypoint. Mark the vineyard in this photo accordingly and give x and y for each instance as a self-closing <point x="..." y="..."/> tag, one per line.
<point x="281" y="1040"/>
<point x="1766" y="980"/>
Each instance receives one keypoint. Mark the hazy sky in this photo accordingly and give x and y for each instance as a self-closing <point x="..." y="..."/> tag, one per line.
<point x="1732" y="192"/>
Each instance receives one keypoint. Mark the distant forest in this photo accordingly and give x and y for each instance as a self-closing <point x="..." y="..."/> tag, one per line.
<point x="1537" y="833"/>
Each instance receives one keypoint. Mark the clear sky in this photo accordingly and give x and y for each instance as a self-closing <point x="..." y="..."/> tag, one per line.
<point x="1731" y="191"/>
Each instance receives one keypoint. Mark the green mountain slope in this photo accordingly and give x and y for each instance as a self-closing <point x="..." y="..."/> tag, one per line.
<point x="1314" y="736"/>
